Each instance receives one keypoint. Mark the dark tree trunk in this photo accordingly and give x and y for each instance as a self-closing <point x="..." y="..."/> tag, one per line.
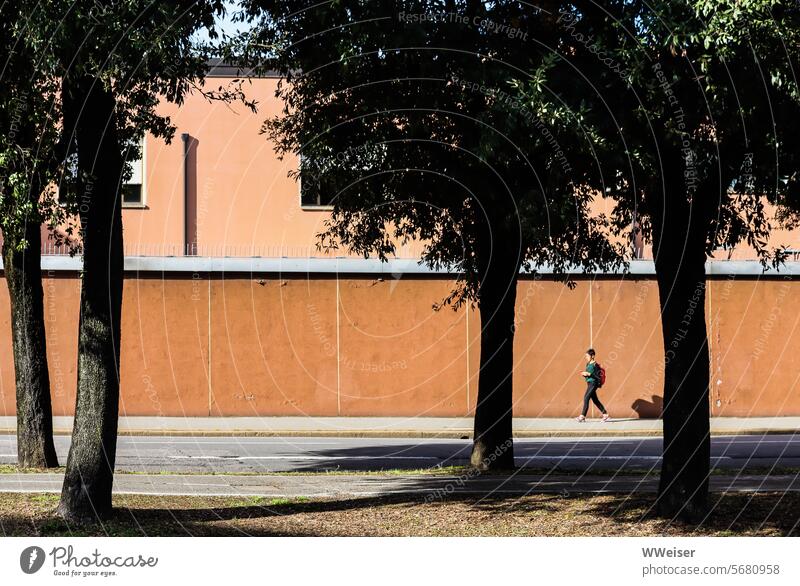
<point x="86" y="494"/>
<point x="680" y="271"/>
<point x="23" y="274"/>
<point x="493" y="447"/>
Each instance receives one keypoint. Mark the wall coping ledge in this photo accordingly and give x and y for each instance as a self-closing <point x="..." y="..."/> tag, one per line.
<point x="371" y="266"/>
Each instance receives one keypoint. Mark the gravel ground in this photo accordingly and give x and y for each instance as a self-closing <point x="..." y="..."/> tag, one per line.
<point x="768" y="514"/>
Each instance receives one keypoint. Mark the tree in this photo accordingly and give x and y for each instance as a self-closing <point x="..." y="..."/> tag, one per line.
<point x="28" y="166"/>
<point x="690" y="97"/>
<point x="407" y="118"/>
<point x="116" y="60"/>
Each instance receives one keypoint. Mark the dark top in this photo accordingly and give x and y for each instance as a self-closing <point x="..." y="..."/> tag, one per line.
<point x="591" y="368"/>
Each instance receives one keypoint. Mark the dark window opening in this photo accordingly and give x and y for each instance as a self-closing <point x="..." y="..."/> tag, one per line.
<point x="132" y="194"/>
<point x="314" y="190"/>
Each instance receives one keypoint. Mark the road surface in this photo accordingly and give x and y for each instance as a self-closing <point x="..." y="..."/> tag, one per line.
<point x="214" y="455"/>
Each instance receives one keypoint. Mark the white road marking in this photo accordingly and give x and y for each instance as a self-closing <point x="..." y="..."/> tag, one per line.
<point x="3" y="481"/>
<point x="304" y="457"/>
<point x="565" y="457"/>
<point x="224" y="443"/>
<point x="732" y="441"/>
<point x="362" y="458"/>
<point x="599" y="457"/>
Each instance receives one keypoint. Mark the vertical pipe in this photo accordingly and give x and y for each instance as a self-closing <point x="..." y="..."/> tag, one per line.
<point x="185" y="138"/>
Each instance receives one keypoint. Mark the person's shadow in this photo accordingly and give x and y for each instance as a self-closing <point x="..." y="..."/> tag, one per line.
<point x="649" y="409"/>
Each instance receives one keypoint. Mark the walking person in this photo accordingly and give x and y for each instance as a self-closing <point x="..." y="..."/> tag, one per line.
<point x="594" y="380"/>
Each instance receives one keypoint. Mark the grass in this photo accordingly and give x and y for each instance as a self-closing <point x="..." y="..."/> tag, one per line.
<point x="13" y="469"/>
<point x="434" y="471"/>
<point x="751" y="514"/>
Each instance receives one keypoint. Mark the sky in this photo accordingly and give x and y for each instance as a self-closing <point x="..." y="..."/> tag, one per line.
<point x="224" y="24"/>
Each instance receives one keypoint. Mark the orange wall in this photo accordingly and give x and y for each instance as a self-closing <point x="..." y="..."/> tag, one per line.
<point x="245" y="202"/>
<point x="244" y="197"/>
<point x="269" y="345"/>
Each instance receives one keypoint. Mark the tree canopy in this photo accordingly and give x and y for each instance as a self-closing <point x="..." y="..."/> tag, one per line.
<point x="701" y="127"/>
<point x="437" y="121"/>
<point x="111" y="63"/>
<point x="487" y="130"/>
<point x="442" y="122"/>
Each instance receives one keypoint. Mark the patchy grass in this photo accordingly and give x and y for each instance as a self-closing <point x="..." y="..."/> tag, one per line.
<point x="753" y="514"/>
<point x="12" y="469"/>
<point x="436" y="470"/>
<point x="260" y="501"/>
<point x="46" y="497"/>
<point x="461" y="470"/>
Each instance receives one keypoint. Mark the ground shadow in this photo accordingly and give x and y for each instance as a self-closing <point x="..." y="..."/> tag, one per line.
<point x="456" y="514"/>
<point x="730" y="514"/>
<point x="542" y="455"/>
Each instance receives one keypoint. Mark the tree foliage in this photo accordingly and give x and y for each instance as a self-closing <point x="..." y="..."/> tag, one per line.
<point x="702" y="119"/>
<point x="114" y="62"/>
<point x="439" y="121"/>
<point x="701" y="129"/>
<point x="29" y="115"/>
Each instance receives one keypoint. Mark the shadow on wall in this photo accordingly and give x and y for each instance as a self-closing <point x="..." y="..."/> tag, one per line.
<point x="649" y="409"/>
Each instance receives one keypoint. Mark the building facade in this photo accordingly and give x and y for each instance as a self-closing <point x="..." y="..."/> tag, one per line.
<point x="230" y="310"/>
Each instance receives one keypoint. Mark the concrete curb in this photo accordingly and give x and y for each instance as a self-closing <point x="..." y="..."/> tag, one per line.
<point x="411" y="427"/>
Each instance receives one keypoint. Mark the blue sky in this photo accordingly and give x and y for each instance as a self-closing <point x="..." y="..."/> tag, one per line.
<point x="225" y="24"/>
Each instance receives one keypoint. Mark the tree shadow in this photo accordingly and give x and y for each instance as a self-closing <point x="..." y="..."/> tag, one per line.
<point x="649" y="409"/>
<point x="541" y="514"/>
<point x="539" y="456"/>
<point x="730" y="513"/>
<point x="607" y="501"/>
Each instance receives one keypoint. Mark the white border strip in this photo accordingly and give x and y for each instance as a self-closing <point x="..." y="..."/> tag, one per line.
<point x="197" y="264"/>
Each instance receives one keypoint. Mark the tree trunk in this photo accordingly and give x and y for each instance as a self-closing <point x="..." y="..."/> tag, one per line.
<point x="493" y="447"/>
<point x="23" y="274"/>
<point x="86" y="494"/>
<point x="683" y="488"/>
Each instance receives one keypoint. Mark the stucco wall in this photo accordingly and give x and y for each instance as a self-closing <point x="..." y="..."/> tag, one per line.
<point x="242" y="200"/>
<point x="241" y="196"/>
<point x="233" y="344"/>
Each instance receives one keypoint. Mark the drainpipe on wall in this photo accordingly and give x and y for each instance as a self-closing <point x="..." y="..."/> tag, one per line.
<point x="185" y="138"/>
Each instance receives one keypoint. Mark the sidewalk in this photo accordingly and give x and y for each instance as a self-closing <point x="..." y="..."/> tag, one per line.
<point x="444" y="427"/>
<point x="356" y="485"/>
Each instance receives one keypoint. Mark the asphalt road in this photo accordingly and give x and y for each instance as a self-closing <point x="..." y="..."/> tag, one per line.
<point x="297" y="454"/>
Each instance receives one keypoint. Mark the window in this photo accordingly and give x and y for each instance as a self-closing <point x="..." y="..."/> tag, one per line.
<point x="313" y="193"/>
<point x="325" y="174"/>
<point x="133" y="188"/>
<point x="69" y="179"/>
